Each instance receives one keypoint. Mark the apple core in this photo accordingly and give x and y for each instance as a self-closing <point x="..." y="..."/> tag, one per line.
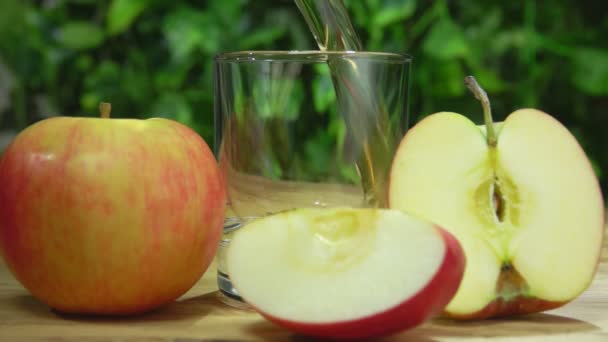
<point x="331" y="242"/>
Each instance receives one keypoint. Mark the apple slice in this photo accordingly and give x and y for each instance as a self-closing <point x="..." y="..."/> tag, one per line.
<point x="520" y="196"/>
<point x="345" y="273"/>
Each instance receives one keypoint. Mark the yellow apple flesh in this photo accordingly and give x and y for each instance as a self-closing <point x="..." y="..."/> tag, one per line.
<point x="345" y="273"/>
<point x="528" y="211"/>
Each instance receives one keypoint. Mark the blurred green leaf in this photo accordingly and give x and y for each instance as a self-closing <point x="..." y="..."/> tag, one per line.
<point x="445" y="41"/>
<point x="171" y="77"/>
<point x="591" y="71"/>
<point x="596" y="168"/>
<point x="103" y="84"/>
<point x="393" y="11"/>
<point x="227" y="11"/>
<point x="489" y="80"/>
<point x="173" y="106"/>
<point x="445" y="79"/>
<point x="7" y="83"/>
<point x="89" y="101"/>
<point x="290" y="22"/>
<point x="323" y="94"/>
<point x="80" y="35"/>
<point x="281" y="98"/>
<point x="503" y="41"/>
<point x="265" y="35"/>
<point x="188" y="29"/>
<point x="122" y="13"/>
<point x="372" y="5"/>
<point x="11" y="16"/>
<point x="319" y="153"/>
<point x="359" y="12"/>
<point x="489" y="24"/>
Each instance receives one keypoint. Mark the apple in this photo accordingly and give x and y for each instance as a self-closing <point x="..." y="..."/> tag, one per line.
<point x="520" y="196"/>
<point x="345" y="273"/>
<point x="109" y="216"/>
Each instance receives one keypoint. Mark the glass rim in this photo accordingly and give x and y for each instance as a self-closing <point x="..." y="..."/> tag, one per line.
<point x="252" y="56"/>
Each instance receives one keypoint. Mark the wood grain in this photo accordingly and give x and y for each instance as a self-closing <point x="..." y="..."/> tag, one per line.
<point x="201" y="316"/>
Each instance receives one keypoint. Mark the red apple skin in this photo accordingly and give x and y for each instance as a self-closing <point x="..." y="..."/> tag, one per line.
<point x="109" y="216"/>
<point x="429" y="302"/>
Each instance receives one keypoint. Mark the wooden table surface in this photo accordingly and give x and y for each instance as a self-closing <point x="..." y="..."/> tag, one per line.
<point x="200" y="316"/>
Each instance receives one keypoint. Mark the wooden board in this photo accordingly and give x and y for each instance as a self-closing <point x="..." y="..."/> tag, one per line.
<point x="201" y="316"/>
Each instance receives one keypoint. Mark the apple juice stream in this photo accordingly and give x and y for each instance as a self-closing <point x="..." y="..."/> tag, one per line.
<point x="365" y="116"/>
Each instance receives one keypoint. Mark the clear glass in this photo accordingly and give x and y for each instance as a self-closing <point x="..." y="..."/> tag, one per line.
<point x="305" y="129"/>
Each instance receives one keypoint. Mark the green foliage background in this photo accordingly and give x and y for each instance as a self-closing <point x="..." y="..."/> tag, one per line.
<point x="154" y="57"/>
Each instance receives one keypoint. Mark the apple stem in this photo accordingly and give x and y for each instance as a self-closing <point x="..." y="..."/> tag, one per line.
<point x="482" y="96"/>
<point x="104" y="110"/>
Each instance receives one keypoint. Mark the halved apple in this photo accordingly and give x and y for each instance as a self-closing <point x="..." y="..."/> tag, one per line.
<point x="345" y="273"/>
<point x="520" y="196"/>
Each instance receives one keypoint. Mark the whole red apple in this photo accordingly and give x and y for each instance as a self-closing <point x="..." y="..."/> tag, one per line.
<point x="109" y="216"/>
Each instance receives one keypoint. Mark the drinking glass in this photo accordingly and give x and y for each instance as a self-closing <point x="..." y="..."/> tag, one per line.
<point x="305" y="129"/>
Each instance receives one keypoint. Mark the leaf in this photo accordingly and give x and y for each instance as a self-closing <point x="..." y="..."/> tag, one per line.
<point x="373" y="5"/>
<point x="319" y="154"/>
<point x="281" y="98"/>
<point x="187" y="30"/>
<point x="359" y="13"/>
<point x="505" y="40"/>
<point x="7" y="83"/>
<point x="489" y="80"/>
<point x="6" y="137"/>
<point x="445" y="78"/>
<point x="296" y="29"/>
<point x="323" y="92"/>
<point x="80" y="35"/>
<point x="122" y="13"/>
<point x="12" y="16"/>
<point x="104" y="82"/>
<point x="90" y="101"/>
<point x="171" y="76"/>
<point x="227" y="11"/>
<point x="263" y="36"/>
<point x="173" y="106"/>
<point x="445" y="41"/>
<point x="596" y="168"/>
<point x="393" y="11"/>
<point x="591" y="71"/>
